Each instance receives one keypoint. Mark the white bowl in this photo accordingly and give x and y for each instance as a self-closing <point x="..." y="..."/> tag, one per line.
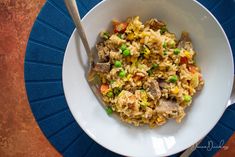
<point x="213" y="56"/>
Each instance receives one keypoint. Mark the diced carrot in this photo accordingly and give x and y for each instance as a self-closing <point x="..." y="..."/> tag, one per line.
<point x="183" y="60"/>
<point x="132" y="98"/>
<point x="136" y="78"/>
<point x="142" y="41"/>
<point x="200" y="77"/>
<point x="192" y="69"/>
<point x="119" y="27"/>
<point x="104" y="88"/>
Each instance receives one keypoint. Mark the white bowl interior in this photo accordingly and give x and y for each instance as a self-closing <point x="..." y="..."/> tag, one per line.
<point x="213" y="56"/>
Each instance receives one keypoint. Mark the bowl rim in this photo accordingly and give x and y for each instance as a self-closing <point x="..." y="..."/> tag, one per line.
<point x="179" y="150"/>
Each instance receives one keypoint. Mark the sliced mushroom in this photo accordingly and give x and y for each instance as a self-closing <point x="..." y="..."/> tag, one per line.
<point x="185" y="41"/>
<point x="153" y="89"/>
<point x="155" y="24"/>
<point x="167" y="106"/>
<point x="163" y="84"/>
<point x="103" y="52"/>
<point x="102" y="67"/>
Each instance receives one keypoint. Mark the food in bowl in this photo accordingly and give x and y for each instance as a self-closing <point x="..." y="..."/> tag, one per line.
<point x="145" y="74"/>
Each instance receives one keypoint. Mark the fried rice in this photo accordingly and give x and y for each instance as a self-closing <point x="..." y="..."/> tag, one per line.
<point x="145" y="74"/>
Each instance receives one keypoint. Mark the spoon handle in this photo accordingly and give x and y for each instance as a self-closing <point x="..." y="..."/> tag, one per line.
<point x="74" y="13"/>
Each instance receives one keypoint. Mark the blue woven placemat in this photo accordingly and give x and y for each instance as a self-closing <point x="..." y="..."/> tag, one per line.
<point x="43" y="79"/>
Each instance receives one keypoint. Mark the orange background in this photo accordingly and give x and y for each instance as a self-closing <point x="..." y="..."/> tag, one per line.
<point x="20" y="135"/>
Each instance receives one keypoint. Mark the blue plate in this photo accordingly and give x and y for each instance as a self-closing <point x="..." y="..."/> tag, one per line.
<point x="43" y="79"/>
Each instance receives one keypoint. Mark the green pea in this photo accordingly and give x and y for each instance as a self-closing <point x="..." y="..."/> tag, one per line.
<point x="118" y="64"/>
<point x="106" y="35"/>
<point x="116" y="91"/>
<point x="120" y="36"/>
<point x="176" y="51"/>
<point x="172" y="44"/>
<point x="111" y="81"/>
<point x="122" y="74"/>
<point x="110" y="94"/>
<point x="164" y="53"/>
<point x="164" y="45"/>
<point x="109" y="110"/>
<point x="126" y="52"/>
<point x="173" y="79"/>
<point x="187" y="98"/>
<point x="163" y="30"/>
<point x="150" y="72"/>
<point x="154" y="66"/>
<point x="123" y="47"/>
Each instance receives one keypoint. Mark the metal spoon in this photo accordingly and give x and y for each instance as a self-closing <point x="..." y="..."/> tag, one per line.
<point x="74" y="13"/>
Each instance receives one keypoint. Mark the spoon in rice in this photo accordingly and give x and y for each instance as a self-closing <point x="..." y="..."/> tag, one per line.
<point x="74" y="13"/>
<point x="90" y="73"/>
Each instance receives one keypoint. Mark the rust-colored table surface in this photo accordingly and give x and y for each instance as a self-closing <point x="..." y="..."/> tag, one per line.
<point x="20" y="135"/>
